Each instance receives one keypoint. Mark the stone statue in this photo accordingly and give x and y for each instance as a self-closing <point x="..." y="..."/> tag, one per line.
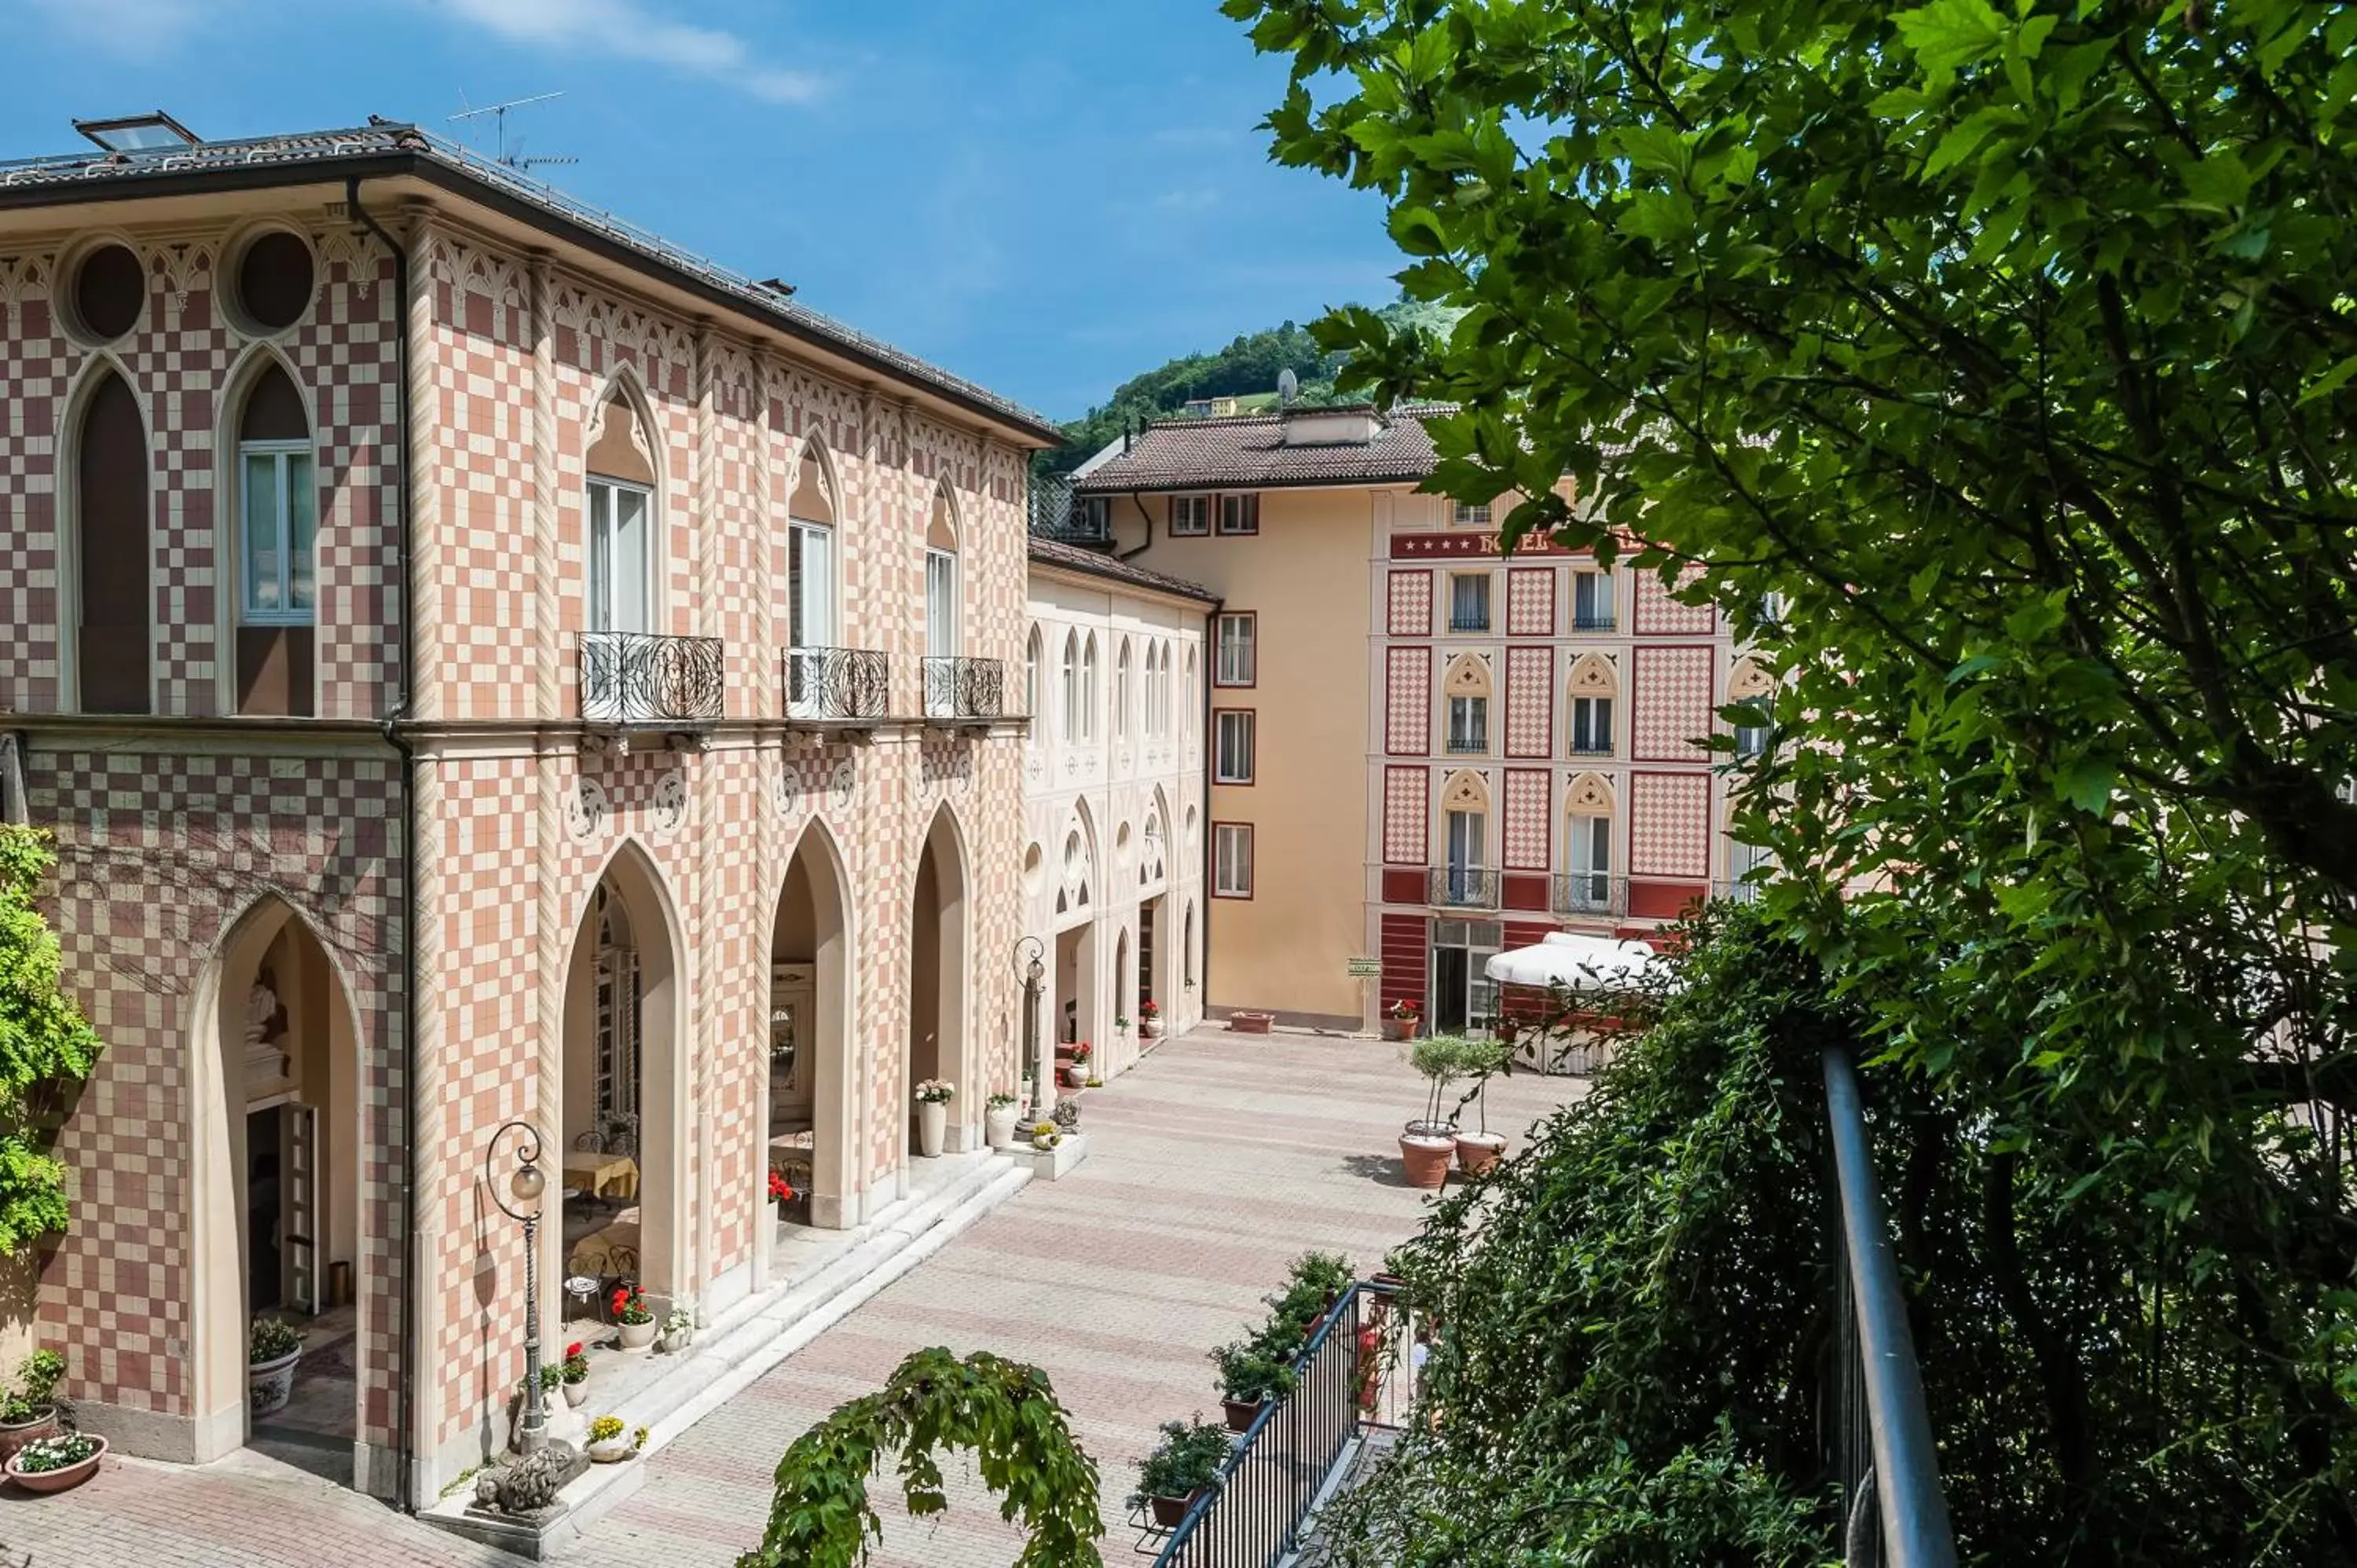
<point x="265" y="1027"/>
<point x="529" y="1485"/>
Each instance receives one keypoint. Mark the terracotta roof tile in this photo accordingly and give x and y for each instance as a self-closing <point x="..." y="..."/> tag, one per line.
<point x="1099" y="564"/>
<point x="1248" y="452"/>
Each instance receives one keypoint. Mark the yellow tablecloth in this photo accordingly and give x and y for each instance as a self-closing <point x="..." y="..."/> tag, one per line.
<point x="608" y="1176"/>
<point x="791" y="1155"/>
<point x="594" y="1254"/>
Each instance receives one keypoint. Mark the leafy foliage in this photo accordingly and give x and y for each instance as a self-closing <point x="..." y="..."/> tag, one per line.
<point x="1187" y="1458"/>
<point x="45" y="1042"/>
<point x="1003" y="1411"/>
<point x="2011" y="348"/>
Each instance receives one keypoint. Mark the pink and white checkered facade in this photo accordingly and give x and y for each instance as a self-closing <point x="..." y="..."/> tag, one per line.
<point x="171" y="828"/>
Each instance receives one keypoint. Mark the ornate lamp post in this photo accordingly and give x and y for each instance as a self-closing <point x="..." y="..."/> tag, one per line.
<point x="526" y="1184"/>
<point x="1031" y="968"/>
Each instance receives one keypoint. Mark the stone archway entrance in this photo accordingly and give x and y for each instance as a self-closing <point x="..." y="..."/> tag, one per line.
<point x="937" y="980"/>
<point x="277" y="1213"/>
<point x="809" y="1123"/>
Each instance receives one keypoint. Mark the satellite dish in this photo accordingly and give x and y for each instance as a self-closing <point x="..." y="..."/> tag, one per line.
<point x="1288" y="386"/>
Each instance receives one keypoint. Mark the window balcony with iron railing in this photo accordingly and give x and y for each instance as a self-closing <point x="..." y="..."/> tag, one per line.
<point x="1593" y="620"/>
<point x="965" y="691"/>
<point x="1473" y="741"/>
<point x="1462" y="886"/>
<point x="1468" y="621"/>
<point x="836" y="685"/>
<point x="637" y="678"/>
<point x="1590" y="892"/>
<point x="1590" y="748"/>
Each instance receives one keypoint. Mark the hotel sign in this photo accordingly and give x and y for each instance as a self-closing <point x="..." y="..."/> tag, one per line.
<point x="1465" y="546"/>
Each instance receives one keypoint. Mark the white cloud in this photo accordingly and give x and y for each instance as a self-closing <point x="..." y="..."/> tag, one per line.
<point x="626" y="30"/>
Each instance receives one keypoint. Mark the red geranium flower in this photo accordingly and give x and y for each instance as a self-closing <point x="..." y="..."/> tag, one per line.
<point x="572" y="1351"/>
<point x="781" y="1190"/>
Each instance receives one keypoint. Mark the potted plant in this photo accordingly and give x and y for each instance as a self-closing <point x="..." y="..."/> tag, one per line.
<point x="1044" y="1136"/>
<point x="606" y="1445"/>
<point x="1120" y="1023"/>
<point x="1187" y="1460"/>
<point x="933" y="1115"/>
<point x="1402" y="1017"/>
<point x="272" y="1350"/>
<point x="678" y="1329"/>
<point x="1427" y="1143"/>
<point x="1149" y="1018"/>
<point x="1477" y="1151"/>
<point x="1076" y="1068"/>
<point x="782" y="1192"/>
<point x="57" y="1462"/>
<point x="1251" y="1372"/>
<point x="635" y="1318"/>
<point x="29" y="1410"/>
<point x="573" y="1375"/>
<point x="998" y="1115"/>
<point x="1314" y="1284"/>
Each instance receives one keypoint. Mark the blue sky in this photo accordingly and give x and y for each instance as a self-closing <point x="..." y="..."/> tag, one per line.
<point x="1048" y="196"/>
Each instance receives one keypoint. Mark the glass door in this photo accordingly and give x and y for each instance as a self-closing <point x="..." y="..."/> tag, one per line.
<point x="1464" y="998"/>
<point x="619" y="574"/>
<point x="940" y="632"/>
<point x="1466" y="831"/>
<point x="809" y="608"/>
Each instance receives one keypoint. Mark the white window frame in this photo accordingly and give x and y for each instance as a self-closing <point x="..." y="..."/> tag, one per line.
<point x="287" y="613"/>
<point x="1604" y="598"/>
<point x="1244" y="724"/>
<point x="1249" y="643"/>
<point x="1089" y="689"/>
<point x="1190" y="515"/>
<point x="1072" y="681"/>
<point x="1600" y="735"/>
<point x="1471" y="514"/>
<point x="1488" y="614"/>
<point x="1121" y="684"/>
<point x="1238" y="514"/>
<point x="591" y="617"/>
<point x="1475" y="719"/>
<point x="1231" y="854"/>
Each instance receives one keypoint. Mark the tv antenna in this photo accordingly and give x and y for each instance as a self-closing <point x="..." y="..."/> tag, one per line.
<point x="512" y="157"/>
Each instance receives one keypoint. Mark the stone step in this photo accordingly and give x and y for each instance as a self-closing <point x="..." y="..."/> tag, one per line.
<point x="742" y="1345"/>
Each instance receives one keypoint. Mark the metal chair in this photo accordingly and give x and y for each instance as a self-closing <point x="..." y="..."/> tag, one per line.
<point x="589" y="1144"/>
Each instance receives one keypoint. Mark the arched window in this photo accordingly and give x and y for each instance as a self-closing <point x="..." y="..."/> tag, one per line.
<point x="810" y="579"/>
<point x="1031" y="680"/>
<point x="1071" y="685"/>
<point x="941" y="606"/>
<point x="277" y="513"/>
<point x="1089" y="689"/>
<point x="1587" y="886"/>
<point x="1121" y="693"/>
<point x="1187" y="698"/>
<point x="111" y="521"/>
<point x="619" y="539"/>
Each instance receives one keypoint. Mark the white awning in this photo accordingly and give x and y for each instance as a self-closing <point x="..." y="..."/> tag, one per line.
<point x="1573" y="962"/>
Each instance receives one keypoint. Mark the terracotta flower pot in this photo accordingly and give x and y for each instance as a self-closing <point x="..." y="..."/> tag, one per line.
<point x="14" y="1434"/>
<point x="1426" y="1155"/>
<point x="1400" y="1029"/>
<point x="1169" y="1511"/>
<point x="1477" y="1151"/>
<point x="1243" y="1023"/>
<point x="62" y="1478"/>
<point x="1241" y="1412"/>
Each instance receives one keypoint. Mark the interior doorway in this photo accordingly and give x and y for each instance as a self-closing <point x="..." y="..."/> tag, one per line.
<point x="1464" y="998"/>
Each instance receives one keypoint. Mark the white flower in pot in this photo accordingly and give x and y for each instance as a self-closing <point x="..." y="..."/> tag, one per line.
<point x="998" y="1119"/>
<point x="933" y="1115"/>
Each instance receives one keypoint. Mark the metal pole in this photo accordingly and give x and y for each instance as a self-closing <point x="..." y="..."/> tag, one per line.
<point x="527" y="1184"/>
<point x="1906" y="1465"/>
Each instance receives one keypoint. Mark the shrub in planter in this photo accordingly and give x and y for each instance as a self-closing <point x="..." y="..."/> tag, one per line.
<point x="574" y="1373"/>
<point x="1428" y="1144"/>
<point x="29" y="1410"/>
<point x="273" y="1349"/>
<point x="1251" y="1372"/>
<point x="606" y="1445"/>
<point x="635" y="1318"/>
<point x="998" y="1116"/>
<point x="1187" y="1460"/>
<point x="53" y="1464"/>
<point x="678" y="1329"/>
<point x="1149" y="1019"/>
<point x="1402" y="1018"/>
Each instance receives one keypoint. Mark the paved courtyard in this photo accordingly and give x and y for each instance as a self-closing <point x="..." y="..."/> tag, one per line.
<point x="1211" y="1165"/>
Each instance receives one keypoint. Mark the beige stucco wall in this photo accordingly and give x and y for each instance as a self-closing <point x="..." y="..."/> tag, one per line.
<point x="1287" y="948"/>
<point x="1106" y="788"/>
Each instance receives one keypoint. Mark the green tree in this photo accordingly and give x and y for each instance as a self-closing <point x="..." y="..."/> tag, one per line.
<point x="44" y="1043"/>
<point x="1003" y="1411"/>
<point x="2010" y="348"/>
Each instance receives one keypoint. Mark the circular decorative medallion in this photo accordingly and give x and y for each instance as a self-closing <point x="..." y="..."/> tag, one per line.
<point x="846" y="784"/>
<point x="586" y="808"/>
<point x="670" y="802"/>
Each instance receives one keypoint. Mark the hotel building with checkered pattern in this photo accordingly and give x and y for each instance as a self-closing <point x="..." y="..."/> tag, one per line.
<point x="480" y="663"/>
<point x="1421" y="752"/>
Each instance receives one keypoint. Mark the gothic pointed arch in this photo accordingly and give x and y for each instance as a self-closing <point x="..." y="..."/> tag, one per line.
<point x="811" y="1126"/>
<point x="1749" y="680"/>
<point x="1465" y="791"/>
<point x="107" y="632"/>
<point x="1468" y="676"/>
<point x="939" y="973"/>
<point x="1590" y="795"/>
<point x="619" y="438"/>
<point x="817" y="496"/>
<point x="942" y="524"/>
<point x="1593" y="675"/>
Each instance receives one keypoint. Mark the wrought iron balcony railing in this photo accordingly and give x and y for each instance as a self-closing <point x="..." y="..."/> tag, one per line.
<point x="1462" y="886"/>
<point x="1590" y="747"/>
<point x="638" y="677"/>
<point x="960" y="689"/>
<point x="1595" y="620"/>
<point x="1470" y="742"/>
<point x="1468" y="621"/>
<point x="1590" y="892"/>
<point x="836" y="685"/>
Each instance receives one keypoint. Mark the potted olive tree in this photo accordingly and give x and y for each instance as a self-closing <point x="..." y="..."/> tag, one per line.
<point x="1187" y="1460"/>
<point x="1427" y="1143"/>
<point x="272" y="1351"/>
<point x="1477" y="1151"/>
<point x="28" y="1412"/>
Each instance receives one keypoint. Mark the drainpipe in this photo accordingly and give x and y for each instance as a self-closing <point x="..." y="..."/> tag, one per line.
<point x="1211" y="835"/>
<point x="1139" y="502"/>
<point x="405" y="1486"/>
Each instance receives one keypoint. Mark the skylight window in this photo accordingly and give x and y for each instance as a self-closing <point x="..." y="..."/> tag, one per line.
<point x="156" y="132"/>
